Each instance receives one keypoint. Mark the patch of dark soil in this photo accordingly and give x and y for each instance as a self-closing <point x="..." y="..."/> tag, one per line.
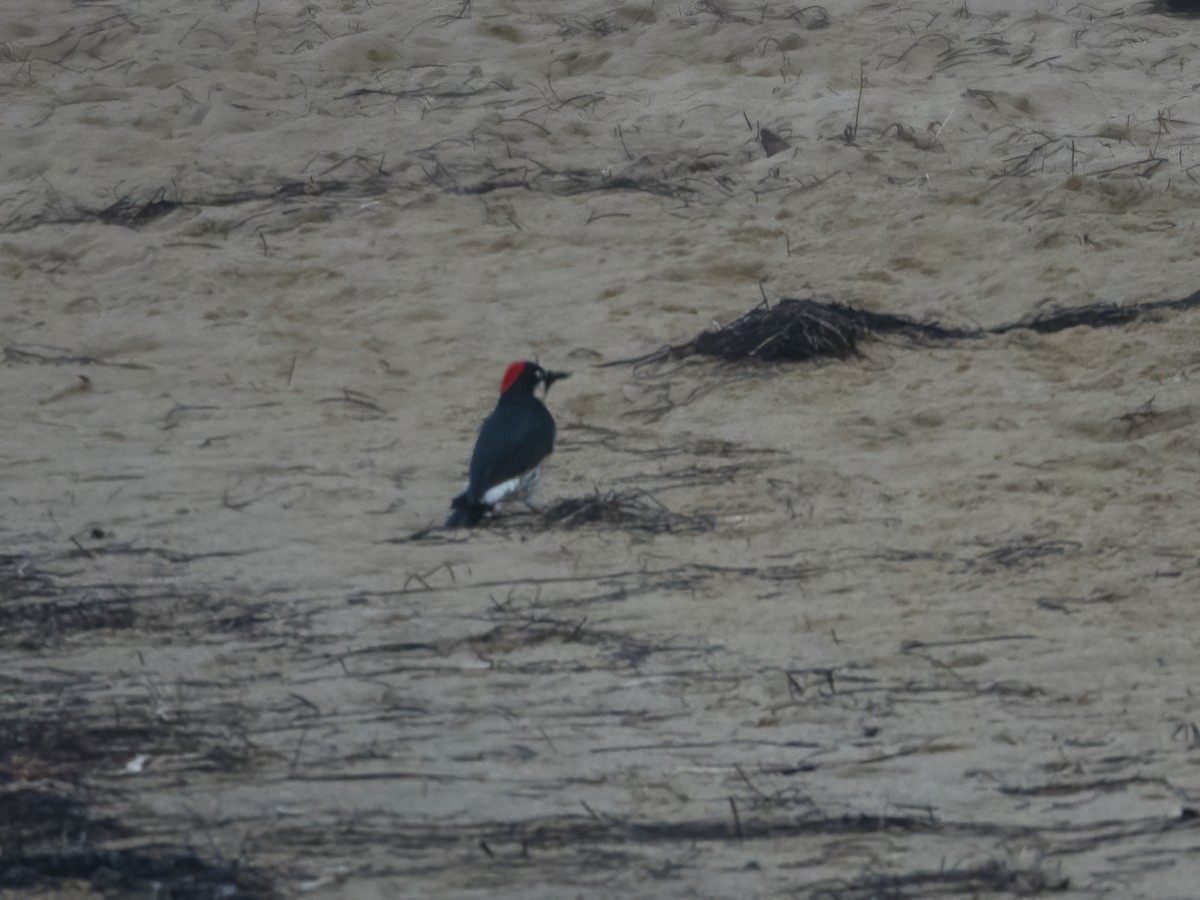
<point x="34" y="819"/>
<point x="179" y="876"/>
<point x="50" y="835"/>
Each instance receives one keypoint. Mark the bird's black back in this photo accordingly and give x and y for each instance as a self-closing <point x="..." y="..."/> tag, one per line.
<point x="515" y="438"/>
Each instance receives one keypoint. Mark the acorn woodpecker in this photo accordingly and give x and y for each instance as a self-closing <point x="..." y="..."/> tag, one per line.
<point x="512" y="443"/>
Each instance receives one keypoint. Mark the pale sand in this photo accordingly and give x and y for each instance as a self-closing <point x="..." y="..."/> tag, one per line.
<point x="998" y="563"/>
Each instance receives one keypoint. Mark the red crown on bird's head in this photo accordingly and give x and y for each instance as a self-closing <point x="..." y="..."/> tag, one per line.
<point x="533" y="375"/>
<point x="511" y="374"/>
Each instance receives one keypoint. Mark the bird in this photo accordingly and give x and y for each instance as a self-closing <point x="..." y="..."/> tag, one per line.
<point x="513" y="441"/>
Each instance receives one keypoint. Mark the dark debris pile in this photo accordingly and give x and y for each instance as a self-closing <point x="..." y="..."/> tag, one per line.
<point x="793" y="330"/>
<point x="796" y="330"/>
<point x="622" y="510"/>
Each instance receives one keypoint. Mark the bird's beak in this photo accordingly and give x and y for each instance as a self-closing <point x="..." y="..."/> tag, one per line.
<point x="550" y="377"/>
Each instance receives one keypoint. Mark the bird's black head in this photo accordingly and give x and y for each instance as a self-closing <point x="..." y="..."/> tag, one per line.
<point x="523" y="377"/>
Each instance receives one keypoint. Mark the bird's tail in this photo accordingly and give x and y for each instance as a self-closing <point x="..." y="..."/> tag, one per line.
<point x="464" y="514"/>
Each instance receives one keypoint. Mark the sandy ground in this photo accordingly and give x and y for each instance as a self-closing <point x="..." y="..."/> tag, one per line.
<point x="926" y="624"/>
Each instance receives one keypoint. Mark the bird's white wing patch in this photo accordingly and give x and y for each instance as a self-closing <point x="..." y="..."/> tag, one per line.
<point x="519" y="488"/>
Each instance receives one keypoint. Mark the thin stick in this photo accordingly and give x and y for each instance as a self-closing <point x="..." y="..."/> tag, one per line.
<point x="621" y="135"/>
<point x="944" y="121"/>
<point x="862" y="77"/>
